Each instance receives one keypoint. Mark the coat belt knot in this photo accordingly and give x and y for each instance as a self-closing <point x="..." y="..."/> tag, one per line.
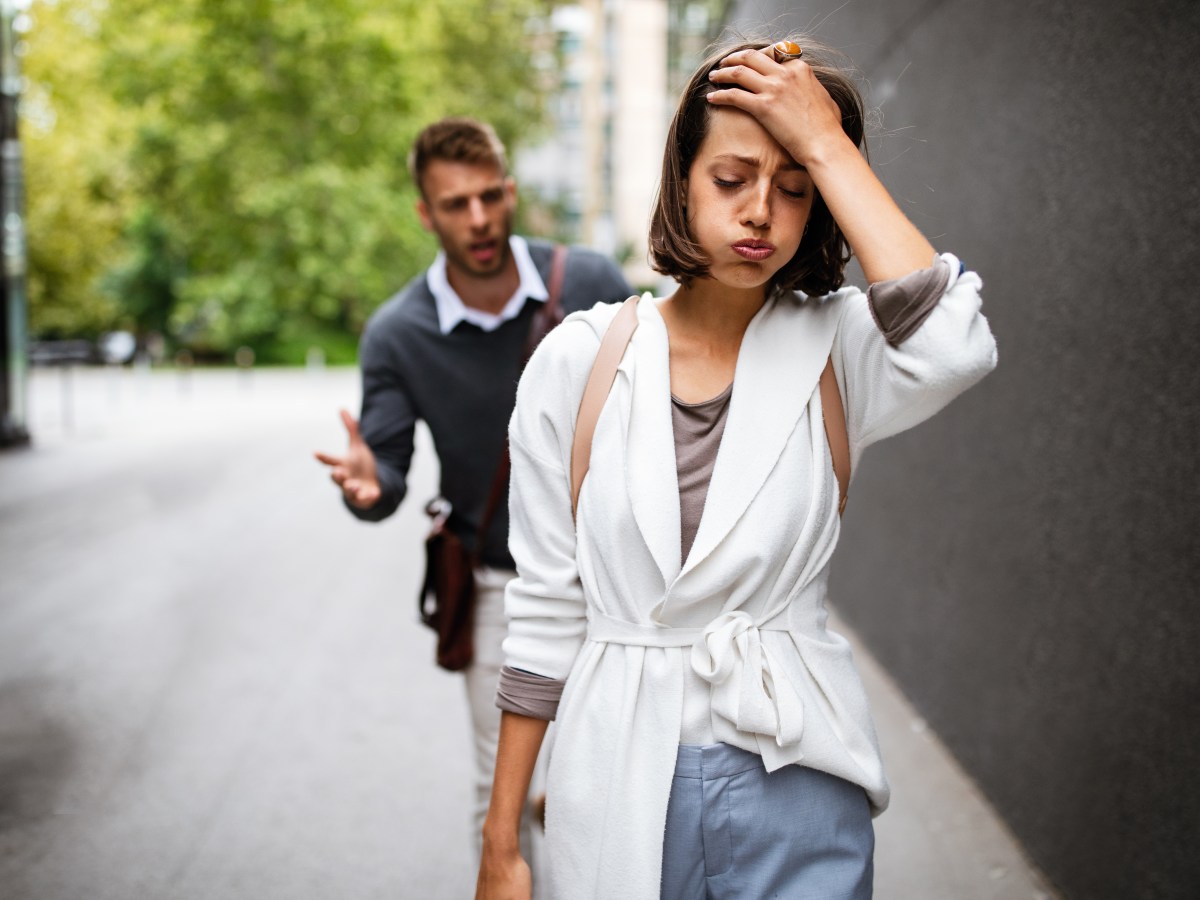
<point x="749" y="687"/>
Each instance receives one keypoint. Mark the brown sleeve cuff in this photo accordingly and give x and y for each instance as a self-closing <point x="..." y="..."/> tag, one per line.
<point x="902" y="304"/>
<point x="529" y="695"/>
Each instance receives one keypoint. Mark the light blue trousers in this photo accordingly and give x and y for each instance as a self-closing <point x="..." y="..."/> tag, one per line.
<point x="734" y="831"/>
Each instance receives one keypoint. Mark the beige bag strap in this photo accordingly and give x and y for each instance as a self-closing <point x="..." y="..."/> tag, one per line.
<point x="835" y="432"/>
<point x="595" y="392"/>
<point x="604" y="373"/>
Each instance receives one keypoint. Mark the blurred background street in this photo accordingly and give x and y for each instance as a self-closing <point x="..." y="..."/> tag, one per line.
<point x="212" y="681"/>
<point x="213" y="684"/>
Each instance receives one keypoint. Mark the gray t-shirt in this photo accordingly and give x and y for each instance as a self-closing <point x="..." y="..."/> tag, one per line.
<point x="698" y="429"/>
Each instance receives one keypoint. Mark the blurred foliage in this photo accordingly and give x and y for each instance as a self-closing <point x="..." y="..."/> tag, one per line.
<point x="78" y="183"/>
<point x="233" y="173"/>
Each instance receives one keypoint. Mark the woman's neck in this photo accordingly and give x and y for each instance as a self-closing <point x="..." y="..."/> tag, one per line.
<point x="711" y="313"/>
<point x="705" y="325"/>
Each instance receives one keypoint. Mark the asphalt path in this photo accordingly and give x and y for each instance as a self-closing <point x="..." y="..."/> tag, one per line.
<point x="213" y="685"/>
<point x="211" y="680"/>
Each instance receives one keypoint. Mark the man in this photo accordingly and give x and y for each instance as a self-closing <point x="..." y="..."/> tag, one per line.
<point x="447" y="350"/>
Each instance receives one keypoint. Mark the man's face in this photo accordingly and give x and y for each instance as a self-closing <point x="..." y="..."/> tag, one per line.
<point x="469" y="206"/>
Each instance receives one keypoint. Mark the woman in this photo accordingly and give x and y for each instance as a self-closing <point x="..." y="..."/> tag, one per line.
<point x="713" y="736"/>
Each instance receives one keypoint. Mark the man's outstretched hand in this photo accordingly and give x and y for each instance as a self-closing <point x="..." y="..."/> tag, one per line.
<point x="354" y="473"/>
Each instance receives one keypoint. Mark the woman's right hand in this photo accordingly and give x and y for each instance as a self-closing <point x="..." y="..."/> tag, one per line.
<point x="503" y="875"/>
<point x="786" y="99"/>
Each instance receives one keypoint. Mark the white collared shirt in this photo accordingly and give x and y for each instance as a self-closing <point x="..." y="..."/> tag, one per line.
<point x="451" y="310"/>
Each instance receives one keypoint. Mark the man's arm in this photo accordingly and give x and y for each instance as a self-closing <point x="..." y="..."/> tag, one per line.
<point x="388" y="421"/>
<point x="373" y="471"/>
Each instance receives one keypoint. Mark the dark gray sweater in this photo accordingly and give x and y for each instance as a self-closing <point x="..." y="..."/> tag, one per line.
<point x="463" y="385"/>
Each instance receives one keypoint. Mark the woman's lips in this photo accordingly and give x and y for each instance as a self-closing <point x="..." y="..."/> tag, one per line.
<point x="755" y="251"/>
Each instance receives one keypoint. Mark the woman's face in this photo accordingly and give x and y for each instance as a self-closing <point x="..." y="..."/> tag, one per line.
<point x="747" y="200"/>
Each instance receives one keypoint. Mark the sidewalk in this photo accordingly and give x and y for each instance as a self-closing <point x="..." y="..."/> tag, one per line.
<point x="939" y="839"/>
<point x="213" y="687"/>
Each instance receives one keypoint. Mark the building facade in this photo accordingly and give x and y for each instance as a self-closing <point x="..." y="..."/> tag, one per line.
<point x="594" y="179"/>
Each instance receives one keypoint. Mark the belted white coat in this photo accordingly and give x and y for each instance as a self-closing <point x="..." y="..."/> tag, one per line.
<point x="606" y="603"/>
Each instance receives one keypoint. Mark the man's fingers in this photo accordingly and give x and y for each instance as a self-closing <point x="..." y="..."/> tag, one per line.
<point x="350" y="423"/>
<point x="363" y="494"/>
<point x="329" y="459"/>
<point x="361" y="490"/>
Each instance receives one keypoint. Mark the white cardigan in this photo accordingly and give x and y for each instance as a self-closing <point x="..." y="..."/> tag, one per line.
<point x="606" y="604"/>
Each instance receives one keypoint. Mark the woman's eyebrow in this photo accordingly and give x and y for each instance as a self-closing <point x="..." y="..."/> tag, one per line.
<point x="757" y="163"/>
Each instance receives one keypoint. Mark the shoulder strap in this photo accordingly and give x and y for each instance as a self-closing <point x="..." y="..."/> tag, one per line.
<point x="558" y="271"/>
<point x="604" y="373"/>
<point x="544" y="319"/>
<point x="595" y="392"/>
<point x="550" y="312"/>
<point x="495" y="495"/>
<point x="835" y="432"/>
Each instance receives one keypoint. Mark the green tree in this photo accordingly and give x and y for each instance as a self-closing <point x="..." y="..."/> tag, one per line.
<point x="251" y="184"/>
<point x="271" y="145"/>
<point x="78" y="186"/>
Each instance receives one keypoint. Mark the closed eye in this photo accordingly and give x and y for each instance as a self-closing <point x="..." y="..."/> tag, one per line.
<point x="795" y="195"/>
<point x="722" y="183"/>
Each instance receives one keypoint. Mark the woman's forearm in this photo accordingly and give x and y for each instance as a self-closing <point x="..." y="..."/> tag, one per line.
<point x="503" y="874"/>
<point x="886" y="243"/>
<point x="520" y="740"/>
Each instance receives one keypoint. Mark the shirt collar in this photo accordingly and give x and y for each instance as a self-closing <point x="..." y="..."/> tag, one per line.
<point x="451" y="310"/>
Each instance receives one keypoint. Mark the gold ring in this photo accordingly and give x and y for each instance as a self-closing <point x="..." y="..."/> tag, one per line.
<point x="785" y="51"/>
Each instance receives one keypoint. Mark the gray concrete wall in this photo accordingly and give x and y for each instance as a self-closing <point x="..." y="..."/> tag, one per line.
<point x="1026" y="563"/>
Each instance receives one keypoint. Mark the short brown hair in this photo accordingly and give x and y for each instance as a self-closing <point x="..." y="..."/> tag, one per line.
<point x="819" y="263"/>
<point x="455" y="140"/>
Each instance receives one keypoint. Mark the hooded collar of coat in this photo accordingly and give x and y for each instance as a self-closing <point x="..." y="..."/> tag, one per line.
<point x="779" y="365"/>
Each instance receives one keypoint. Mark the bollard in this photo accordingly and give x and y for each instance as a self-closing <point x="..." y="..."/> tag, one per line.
<point x="114" y="384"/>
<point x="67" y="405"/>
<point x="314" y="360"/>
<point x="141" y="373"/>
<point x="243" y="357"/>
<point x="183" y="365"/>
